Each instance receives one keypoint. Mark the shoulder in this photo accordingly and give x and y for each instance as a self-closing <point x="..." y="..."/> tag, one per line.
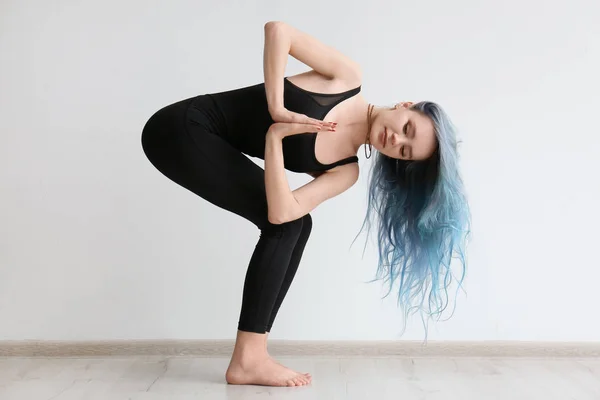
<point x="314" y="81"/>
<point x="348" y="172"/>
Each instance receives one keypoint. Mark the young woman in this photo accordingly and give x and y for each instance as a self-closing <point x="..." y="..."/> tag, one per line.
<point x="315" y="123"/>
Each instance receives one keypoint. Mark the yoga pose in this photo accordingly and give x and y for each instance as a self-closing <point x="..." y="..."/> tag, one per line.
<point x="315" y="122"/>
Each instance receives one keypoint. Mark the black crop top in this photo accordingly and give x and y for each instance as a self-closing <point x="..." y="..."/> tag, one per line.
<point x="246" y="120"/>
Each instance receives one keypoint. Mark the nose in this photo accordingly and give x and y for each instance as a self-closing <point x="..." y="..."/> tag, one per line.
<point x="395" y="138"/>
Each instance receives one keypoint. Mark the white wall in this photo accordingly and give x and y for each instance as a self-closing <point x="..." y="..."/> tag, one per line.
<point x="96" y="244"/>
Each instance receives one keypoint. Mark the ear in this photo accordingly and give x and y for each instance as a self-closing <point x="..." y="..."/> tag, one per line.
<point x="406" y="104"/>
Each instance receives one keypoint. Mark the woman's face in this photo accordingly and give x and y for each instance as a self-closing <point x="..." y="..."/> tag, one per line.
<point x="403" y="133"/>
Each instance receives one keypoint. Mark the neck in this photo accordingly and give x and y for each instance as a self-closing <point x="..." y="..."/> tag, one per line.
<point x="356" y="125"/>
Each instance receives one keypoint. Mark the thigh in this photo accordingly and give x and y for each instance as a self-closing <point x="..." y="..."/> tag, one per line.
<point x="207" y="165"/>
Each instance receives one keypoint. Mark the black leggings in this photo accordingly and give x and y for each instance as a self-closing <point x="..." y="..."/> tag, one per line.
<point x="189" y="152"/>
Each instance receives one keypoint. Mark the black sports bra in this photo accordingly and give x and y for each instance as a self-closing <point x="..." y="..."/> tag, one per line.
<point x="243" y="120"/>
<point x="299" y="150"/>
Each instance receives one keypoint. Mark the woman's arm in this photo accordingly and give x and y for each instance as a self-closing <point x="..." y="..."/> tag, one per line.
<point x="281" y="203"/>
<point x="282" y="40"/>
<point x="275" y="55"/>
<point x="286" y="205"/>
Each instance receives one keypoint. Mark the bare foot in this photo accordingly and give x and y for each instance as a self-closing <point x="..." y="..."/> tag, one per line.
<point x="263" y="371"/>
<point x="307" y="374"/>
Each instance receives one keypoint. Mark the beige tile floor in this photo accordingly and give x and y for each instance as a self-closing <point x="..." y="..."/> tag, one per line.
<point x="177" y="378"/>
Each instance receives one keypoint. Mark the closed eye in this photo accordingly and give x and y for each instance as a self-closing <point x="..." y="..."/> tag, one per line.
<point x="403" y="148"/>
<point x="405" y="130"/>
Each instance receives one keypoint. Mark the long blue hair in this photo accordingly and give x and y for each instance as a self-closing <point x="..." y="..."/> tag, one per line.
<point x="423" y="221"/>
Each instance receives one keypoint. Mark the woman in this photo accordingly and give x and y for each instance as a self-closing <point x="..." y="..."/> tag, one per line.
<point x="201" y="143"/>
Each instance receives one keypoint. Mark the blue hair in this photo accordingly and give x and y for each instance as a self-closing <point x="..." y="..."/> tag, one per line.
<point x="424" y="221"/>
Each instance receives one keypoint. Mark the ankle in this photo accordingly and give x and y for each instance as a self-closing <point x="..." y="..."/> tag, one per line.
<point x="248" y="357"/>
<point x="250" y="345"/>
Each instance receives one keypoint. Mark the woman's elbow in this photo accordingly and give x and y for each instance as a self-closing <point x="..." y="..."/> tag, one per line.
<point x="275" y="220"/>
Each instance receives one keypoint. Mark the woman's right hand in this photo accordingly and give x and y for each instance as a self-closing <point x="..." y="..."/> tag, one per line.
<point x="283" y="129"/>
<point x="284" y="115"/>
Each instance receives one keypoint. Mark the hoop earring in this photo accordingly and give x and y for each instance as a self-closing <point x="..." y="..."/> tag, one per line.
<point x="370" y="108"/>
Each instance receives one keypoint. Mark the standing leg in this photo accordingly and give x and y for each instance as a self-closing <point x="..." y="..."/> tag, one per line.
<point x="266" y="273"/>
<point x="207" y="165"/>
<point x="290" y="273"/>
<point x="292" y="267"/>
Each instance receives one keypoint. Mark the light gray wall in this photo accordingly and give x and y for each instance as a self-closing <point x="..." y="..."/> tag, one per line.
<point x="97" y="244"/>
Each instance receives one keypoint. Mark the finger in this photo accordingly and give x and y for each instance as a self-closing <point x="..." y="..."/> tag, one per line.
<point x="323" y="127"/>
<point x="317" y="122"/>
<point x="324" y="123"/>
<point x="329" y="123"/>
<point x="311" y="127"/>
<point x="313" y="121"/>
<point x="305" y="127"/>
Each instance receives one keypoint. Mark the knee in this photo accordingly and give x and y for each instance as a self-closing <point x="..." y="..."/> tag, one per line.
<point x="291" y="229"/>
<point x="306" y="224"/>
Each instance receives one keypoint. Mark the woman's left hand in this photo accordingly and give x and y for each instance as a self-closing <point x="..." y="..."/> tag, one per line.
<point x="283" y="129"/>
<point x="284" y="115"/>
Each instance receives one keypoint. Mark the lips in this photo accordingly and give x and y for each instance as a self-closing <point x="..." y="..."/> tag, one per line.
<point x="384" y="137"/>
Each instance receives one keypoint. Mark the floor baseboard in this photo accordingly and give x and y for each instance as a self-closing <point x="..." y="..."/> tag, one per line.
<point x="224" y="348"/>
